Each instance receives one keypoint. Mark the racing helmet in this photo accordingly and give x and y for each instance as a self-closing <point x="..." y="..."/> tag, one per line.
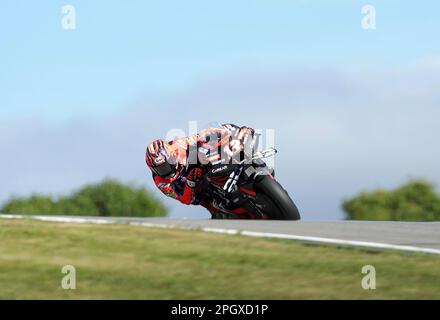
<point x="161" y="159"/>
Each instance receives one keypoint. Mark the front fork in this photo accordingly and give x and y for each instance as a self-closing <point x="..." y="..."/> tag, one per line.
<point x="230" y="193"/>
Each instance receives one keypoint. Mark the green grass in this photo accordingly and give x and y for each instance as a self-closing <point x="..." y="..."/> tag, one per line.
<point x="128" y="262"/>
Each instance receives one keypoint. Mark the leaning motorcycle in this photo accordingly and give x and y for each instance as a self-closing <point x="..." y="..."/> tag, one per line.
<point x="243" y="187"/>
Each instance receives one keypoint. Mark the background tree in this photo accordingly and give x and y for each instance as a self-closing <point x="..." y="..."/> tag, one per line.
<point x="108" y="198"/>
<point x="417" y="200"/>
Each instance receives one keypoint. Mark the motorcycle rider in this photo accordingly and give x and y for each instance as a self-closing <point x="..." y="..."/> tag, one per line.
<point x="176" y="167"/>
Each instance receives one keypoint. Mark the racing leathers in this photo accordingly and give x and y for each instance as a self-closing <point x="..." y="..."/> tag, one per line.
<point x="183" y="187"/>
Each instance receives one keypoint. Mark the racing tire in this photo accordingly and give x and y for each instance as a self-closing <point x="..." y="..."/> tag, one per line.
<point x="277" y="201"/>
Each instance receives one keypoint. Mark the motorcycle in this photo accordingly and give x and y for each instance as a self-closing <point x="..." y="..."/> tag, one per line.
<point x="245" y="188"/>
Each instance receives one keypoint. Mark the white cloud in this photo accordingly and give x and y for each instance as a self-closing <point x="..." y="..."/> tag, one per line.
<point x="337" y="132"/>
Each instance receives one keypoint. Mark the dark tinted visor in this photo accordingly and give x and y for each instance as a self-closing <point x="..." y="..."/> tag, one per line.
<point x="165" y="170"/>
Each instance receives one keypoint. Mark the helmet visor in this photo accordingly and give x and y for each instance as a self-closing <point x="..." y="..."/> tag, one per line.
<point x="165" y="170"/>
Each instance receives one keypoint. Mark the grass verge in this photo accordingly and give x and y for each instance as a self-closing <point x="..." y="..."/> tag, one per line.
<point x="128" y="262"/>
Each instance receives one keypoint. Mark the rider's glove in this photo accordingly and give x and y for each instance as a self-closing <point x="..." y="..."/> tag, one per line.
<point x="193" y="177"/>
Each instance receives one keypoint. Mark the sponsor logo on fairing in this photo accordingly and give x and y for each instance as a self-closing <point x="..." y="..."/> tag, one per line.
<point x="219" y="169"/>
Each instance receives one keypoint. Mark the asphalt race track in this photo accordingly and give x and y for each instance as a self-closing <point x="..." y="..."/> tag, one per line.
<point x="407" y="236"/>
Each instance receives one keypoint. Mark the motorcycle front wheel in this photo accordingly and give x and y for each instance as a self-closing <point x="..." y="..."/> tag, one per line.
<point x="276" y="202"/>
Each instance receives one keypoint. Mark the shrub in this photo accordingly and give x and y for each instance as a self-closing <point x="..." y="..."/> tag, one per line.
<point x="416" y="200"/>
<point x="108" y="198"/>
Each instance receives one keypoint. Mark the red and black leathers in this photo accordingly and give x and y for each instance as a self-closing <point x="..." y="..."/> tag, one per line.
<point x="183" y="186"/>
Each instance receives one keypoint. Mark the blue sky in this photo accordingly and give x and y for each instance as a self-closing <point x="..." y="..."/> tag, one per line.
<point x="126" y="49"/>
<point x="347" y="104"/>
